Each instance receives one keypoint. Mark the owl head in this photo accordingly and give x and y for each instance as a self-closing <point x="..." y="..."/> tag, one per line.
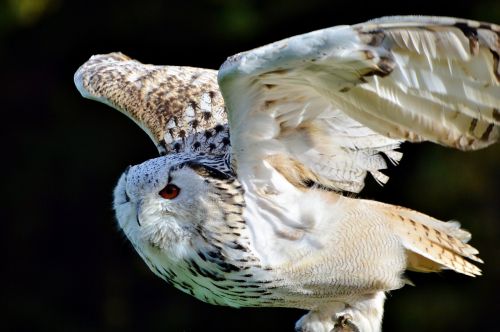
<point x="163" y="202"/>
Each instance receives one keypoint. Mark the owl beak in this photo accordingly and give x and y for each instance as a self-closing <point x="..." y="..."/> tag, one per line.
<point x="127" y="170"/>
<point x="138" y="209"/>
<point x="127" y="197"/>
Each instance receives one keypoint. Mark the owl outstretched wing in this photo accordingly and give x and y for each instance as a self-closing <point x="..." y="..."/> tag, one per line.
<point x="180" y="108"/>
<point x="325" y="107"/>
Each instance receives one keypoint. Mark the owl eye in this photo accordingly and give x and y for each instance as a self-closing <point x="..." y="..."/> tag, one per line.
<point x="170" y="191"/>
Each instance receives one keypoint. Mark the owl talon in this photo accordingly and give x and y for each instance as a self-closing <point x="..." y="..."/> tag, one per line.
<point x="344" y="324"/>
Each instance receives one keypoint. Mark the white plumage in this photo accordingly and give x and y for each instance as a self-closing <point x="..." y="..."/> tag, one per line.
<point x="257" y="218"/>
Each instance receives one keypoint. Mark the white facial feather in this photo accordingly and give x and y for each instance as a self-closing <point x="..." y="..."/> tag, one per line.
<point x="150" y="220"/>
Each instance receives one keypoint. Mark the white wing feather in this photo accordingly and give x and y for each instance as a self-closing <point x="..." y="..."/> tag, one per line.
<point x="322" y="107"/>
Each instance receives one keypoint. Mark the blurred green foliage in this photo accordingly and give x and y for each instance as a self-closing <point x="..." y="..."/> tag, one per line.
<point x="69" y="269"/>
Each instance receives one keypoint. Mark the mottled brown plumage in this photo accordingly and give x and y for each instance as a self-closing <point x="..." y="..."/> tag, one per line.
<point x="180" y="108"/>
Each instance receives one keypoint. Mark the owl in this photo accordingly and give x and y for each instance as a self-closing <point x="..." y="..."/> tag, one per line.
<point x="251" y="202"/>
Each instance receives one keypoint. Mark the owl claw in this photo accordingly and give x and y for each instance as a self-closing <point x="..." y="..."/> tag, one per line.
<point x="344" y="324"/>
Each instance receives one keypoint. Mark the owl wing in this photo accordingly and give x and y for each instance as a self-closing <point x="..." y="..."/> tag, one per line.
<point x="180" y="108"/>
<point x="325" y="107"/>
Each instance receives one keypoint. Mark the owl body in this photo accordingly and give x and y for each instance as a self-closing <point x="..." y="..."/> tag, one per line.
<point x="246" y="205"/>
<point x="218" y="247"/>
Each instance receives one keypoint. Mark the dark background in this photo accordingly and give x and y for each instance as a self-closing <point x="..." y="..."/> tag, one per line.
<point x="67" y="267"/>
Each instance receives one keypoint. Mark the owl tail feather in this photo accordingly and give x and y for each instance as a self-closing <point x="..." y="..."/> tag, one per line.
<point x="432" y="245"/>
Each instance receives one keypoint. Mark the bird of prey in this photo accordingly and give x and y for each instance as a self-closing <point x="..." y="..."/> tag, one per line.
<point x="250" y="202"/>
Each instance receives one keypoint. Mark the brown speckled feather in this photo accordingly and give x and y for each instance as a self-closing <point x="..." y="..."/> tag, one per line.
<point x="180" y="108"/>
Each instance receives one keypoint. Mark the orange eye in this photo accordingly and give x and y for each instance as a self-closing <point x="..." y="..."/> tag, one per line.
<point x="170" y="191"/>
